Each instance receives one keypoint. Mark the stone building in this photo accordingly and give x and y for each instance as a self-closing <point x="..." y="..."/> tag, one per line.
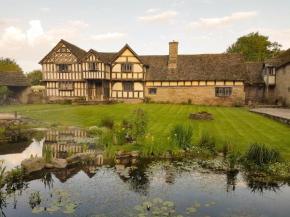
<point x="18" y="84"/>
<point x="209" y="79"/>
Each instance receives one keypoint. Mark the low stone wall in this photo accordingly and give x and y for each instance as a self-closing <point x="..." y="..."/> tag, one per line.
<point x="200" y="95"/>
<point x="273" y="117"/>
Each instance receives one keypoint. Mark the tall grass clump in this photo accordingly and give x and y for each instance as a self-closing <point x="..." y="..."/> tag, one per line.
<point x="260" y="154"/>
<point x="107" y="122"/>
<point x="181" y="136"/>
<point x="207" y="141"/>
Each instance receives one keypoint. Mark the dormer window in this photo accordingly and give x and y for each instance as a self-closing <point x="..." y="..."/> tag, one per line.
<point x="127" y="67"/>
<point x="93" y="66"/>
<point x="63" y="67"/>
<point x="63" y="50"/>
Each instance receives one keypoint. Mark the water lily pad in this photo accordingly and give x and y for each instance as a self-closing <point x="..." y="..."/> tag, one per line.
<point x="212" y="203"/>
<point x="147" y="203"/>
<point x="207" y="205"/>
<point x="37" y="210"/>
<point x="139" y="208"/>
<point x="143" y="197"/>
<point x="164" y="208"/>
<point x="52" y="209"/>
<point x="191" y="209"/>
<point x="68" y="211"/>
<point x="157" y="200"/>
<point x="168" y="203"/>
<point x="31" y="192"/>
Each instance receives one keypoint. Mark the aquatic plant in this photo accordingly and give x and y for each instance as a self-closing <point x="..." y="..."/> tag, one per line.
<point x="181" y="135"/>
<point x="207" y="140"/>
<point x="107" y="122"/>
<point x="120" y="134"/>
<point x="260" y="154"/>
<point x="46" y="152"/>
<point x="15" y="179"/>
<point x="96" y="131"/>
<point x="34" y="199"/>
<point x="2" y="170"/>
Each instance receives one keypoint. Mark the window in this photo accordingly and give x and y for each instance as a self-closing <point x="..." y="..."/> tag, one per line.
<point x="223" y="91"/>
<point x="65" y="86"/>
<point x="152" y="91"/>
<point x="271" y="71"/>
<point x="128" y="86"/>
<point x="93" y="66"/>
<point x="63" y="67"/>
<point x="63" y="50"/>
<point x="127" y="67"/>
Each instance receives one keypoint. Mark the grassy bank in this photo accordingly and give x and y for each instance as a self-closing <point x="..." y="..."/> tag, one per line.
<point x="235" y="123"/>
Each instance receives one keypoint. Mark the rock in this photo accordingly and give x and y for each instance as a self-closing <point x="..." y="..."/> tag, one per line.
<point x="168" y="155"/>
<point x="59" y="163"/>
<point x="33" y="164"/>
<point x="49" y="166"/>
<point x="78" y="158"/>
<point x="120" y="152"/>
<point x="134" y="153"/>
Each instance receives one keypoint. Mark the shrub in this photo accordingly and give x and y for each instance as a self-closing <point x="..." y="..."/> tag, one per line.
<point x="207" y="141"/>
<point x="138" y="121"/>
<point x="280" y="169"/>
<point x="189" y="101"/>
<point x="182" y="135"/>
<point x="107" y="122"/>
<point x="95" y="131"/>
<point x="5" y="93"/>
<point x="148" y="100"/>
<point x="261" y="154"/>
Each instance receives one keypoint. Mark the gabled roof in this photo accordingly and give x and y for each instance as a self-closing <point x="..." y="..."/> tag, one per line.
<point x="78" y="52"/>
<point x="255" y="70"/>
<point x="197" y="67"/>
<point x="104" y="57"/>
<point x="132" y="51"/>
<point x="284" y="58"/>
<point x="14" y="79"/>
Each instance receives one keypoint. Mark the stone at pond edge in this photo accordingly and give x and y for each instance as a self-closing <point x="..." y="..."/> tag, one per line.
<point x="33" y="164"/>
<point x="120" y="152"/>
<point x="59" y="163"/>
<point x="134" y="153"/>
<point x="79" y="157"/>
<point x="49" y="166"/>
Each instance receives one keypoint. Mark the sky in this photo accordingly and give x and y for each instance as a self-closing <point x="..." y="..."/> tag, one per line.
<point x="29" y="29"/>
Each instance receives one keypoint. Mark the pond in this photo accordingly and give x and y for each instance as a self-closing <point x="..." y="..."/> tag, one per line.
<point x="137" y="187"/>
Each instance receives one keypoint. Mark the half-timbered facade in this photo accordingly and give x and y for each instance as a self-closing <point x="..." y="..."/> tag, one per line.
<point x="211" y="79"/>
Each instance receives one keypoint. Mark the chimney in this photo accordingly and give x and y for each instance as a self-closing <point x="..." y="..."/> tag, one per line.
<point x="173" y="54"/>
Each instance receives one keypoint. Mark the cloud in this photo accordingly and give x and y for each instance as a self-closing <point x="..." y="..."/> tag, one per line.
<point x="164" y="17"/>
<point x="152" y="10"/>
<point x="202" y="38"/>
<point x="79" y="23"/>
<point x="217" y="23"/>
<point x="108" y="37"/>
<point x="45" y="9"/>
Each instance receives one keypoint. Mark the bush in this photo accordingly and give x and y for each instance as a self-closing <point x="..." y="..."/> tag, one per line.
<point x="261" y="154"/>
<point x="138" y="122"/>
<point x="182" y="135"/>
<point x="207" y="141"/>
<point x="107" y="122"/>
<point x="5" y="93"/>
<point x="95" y="131"/>
<point x="189" y="101"/>
<point x="148" y="100"/>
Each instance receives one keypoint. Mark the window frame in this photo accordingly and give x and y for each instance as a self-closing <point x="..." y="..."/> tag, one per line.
<point x="95" y="68"/>
<point x="223" y="91"/>
<point x="152" y="93"/>
<point x="66" y="83"/>
<point x="127" y="84"/>
<point x="68" y="67"/>
<point x="126" y="67"/>
<point x="63" y="50"/>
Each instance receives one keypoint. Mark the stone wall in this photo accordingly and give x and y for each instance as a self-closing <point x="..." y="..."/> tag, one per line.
<point x="255" y="93"/>
<point x="282" y="89"/>
<point x="200" y="95"/>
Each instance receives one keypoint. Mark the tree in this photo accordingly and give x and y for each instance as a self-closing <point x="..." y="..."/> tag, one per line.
<point x="7" y="64"/>
<point x="255" y="47"/>
<point x="35" y="77"/>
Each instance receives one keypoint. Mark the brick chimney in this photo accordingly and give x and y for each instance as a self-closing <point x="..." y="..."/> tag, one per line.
<point x="173" y="54"/>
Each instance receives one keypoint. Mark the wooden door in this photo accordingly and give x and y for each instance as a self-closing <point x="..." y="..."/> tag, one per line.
<point x="99" y="91"/>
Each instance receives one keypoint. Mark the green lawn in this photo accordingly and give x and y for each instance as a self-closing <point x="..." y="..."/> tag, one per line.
<point x="237" y="123"/>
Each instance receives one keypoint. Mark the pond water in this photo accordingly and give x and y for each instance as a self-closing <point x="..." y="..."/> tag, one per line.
<point x="177" y="187"/>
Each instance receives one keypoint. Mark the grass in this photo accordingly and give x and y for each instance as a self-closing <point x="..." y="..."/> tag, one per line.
<point x="244" y="126"/>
